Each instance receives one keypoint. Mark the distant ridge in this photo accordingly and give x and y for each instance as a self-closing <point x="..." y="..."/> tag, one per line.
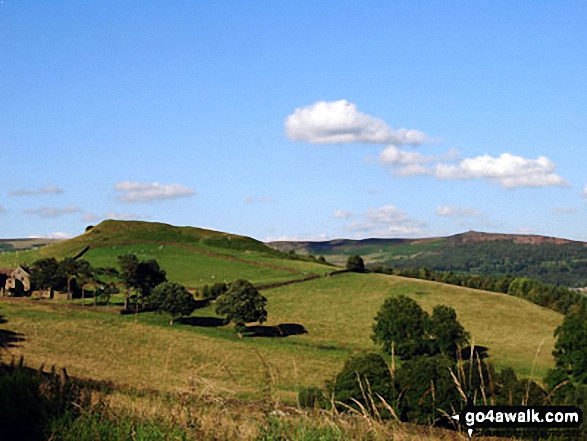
<point x="532" y="239"/>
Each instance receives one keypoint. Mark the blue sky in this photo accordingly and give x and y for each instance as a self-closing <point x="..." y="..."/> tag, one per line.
<point x="297" y="120"/>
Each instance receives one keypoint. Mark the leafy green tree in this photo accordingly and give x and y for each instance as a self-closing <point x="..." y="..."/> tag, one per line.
<point x="401" y="322"/>
<point x="45" y="275"/>
<point x="173" y="299"/>
<point x="362" y="378"/>
<point x="356" y="264"/>
<point x="428" y="390"/>
<point x="447" y="333"/>
<point x="570" y="349"/>
<point x="242" y="303"/>
<point x="142" y="276"/>
<point x="71" y="269"/>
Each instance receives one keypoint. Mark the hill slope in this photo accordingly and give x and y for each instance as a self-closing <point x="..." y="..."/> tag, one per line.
<point x="547" y="259"/>
<point x="192" y="256"/>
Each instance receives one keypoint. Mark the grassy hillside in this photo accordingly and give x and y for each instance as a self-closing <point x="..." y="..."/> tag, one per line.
<point x="337" y="313"/>
<point x="192" y="256"/>
<point x="546" y="259"/>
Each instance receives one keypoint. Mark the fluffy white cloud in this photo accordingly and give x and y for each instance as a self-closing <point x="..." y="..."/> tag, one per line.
<point x="339" y="122"/>
<point x="47" y="212"/>
<point x="340" y="214"/>
<point x="507" y="170"/>
<point x="387" y="221"/>
<point x="46" y="190"/>
<point x="151" y="191"/>
<point x="451" y="210"/>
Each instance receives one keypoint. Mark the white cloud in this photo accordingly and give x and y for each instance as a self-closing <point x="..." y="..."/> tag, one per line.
<point x="584" y="192"/>
<point x="151" y="191"/>
<point x="48" y="212"/>
<point x="55" y="235"/>
<point x="452" y="210"/>
<point x="340" y="214"/>
<point x="387" y="221"/>
<point x="47" y="190"/>
<point x="507" y="170"/>
<point x="311" y="238"/>
<point x="339" y="122"/>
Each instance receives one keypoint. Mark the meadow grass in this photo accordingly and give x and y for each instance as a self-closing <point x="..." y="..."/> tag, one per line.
<point x="143" y="351"/>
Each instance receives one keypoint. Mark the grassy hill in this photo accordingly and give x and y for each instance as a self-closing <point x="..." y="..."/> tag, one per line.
<point x="547" y="259"/>
<point x="192" y="256"/>
<point x="337" y="313"/>
<point x="202" y="356"/>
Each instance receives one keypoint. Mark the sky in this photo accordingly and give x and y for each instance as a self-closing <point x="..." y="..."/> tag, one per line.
<point x="296" y="120"/>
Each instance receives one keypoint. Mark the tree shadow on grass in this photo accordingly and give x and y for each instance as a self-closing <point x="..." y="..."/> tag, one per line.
<point x="281" y="330"/>
<point x="205" y="322"/>
<point x="9" y="339"/>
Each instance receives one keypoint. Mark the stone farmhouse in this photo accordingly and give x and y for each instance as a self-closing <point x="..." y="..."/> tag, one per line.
<point x="9" y="278"/>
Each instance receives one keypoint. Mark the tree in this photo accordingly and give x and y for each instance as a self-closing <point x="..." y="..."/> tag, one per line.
<point x="142" y="276"/>
<point x="401" y="322"/>
<point x="363" y="378"/>
<point x="355" y="263"/>
<point x="242" y="303"/>
<point x="173" y="299"/>
<point x="447" y="333"/>
<point x="428" y="388"/>
<point x="570" y="348"/>
<point x="45" y="275"/>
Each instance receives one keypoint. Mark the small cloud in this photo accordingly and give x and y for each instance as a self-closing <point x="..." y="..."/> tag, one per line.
<point x="451" y="210"/>
<point x="56" y="235"/>
<point x="386" y="221"/>
<point x="339" y="122"/>
<point x="340" y="214"/>
<point x="584" y="192"/>
<point x="261" y="199"/>
<point x="47" y="190"/>
<point x="151" y="191"/>
<point x="564" y="210"/>
<point x="48" y="212"/>
<point x="322" y="237"/>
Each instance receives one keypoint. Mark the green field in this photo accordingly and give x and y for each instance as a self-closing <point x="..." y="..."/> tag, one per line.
<point x="337" y="312"/>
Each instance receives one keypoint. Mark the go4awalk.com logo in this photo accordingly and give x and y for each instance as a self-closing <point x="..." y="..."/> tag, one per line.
<point x="538" y="417"/>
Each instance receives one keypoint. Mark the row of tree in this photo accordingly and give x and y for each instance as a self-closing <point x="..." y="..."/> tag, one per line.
<point x="147" y="288"/>
<point x="557" y="298"/>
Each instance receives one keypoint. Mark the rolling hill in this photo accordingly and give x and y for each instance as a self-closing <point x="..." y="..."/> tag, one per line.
<point x="192" y="256"/>
<point x="547" y="259"/>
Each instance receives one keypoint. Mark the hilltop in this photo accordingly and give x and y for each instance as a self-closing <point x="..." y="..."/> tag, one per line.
<point x="192" y="256"/>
